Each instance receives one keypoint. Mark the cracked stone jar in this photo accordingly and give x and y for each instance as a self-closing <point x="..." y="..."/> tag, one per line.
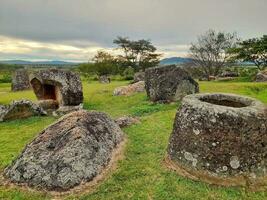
<point x="220" y="139"/>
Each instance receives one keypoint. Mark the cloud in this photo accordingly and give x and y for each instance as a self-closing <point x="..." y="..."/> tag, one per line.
<point x="86" y="24"/>
<point x="14" y="48"/>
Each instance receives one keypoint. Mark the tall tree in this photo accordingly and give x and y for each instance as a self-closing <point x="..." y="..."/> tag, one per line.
<point x="139" y="54"/>
<point x="251" y="50"/>
<point x="209" y="53"/>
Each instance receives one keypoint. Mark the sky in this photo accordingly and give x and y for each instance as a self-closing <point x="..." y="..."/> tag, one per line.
<point x="74" y="30"/>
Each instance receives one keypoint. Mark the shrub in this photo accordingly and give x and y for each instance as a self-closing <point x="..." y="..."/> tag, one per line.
<point x="128" y="73"/>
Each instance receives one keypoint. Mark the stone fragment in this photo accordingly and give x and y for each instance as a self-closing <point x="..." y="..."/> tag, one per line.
<point x="130" y="89"/>
<point x="20" y="109"/>
<point x="127" y="121"/>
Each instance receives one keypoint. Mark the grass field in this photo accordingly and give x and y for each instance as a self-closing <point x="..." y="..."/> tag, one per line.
<point x="141" y="174"/>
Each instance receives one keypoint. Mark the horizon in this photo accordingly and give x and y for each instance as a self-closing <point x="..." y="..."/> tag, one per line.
<point x="73" y="31"/>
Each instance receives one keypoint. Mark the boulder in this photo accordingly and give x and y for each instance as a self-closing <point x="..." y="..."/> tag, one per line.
<point x="63" y="87"/>
<point x="220" y="139"/>
<point x="20" y="80"/>
<point x="127" y="121"/>
<point x="139" y="76"/>
<point x="104" y="79"/>
<point x="261" y="77"/>
<point x="130" y="89"/>
<point x="74" y="150"/>
<point x="20" y="109"/>
<point x="168" y="83"/>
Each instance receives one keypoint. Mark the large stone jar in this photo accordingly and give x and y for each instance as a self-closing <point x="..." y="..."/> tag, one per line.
<point x="220" y="139"/>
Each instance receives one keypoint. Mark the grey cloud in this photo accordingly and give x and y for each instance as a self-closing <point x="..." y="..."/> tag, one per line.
<point x="165" y="22"/>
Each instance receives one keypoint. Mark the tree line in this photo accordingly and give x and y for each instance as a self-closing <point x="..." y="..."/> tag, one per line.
<point x="211" y="52"/>
<point x="136" y="55"/>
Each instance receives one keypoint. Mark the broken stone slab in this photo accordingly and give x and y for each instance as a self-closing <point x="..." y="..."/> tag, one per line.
<point x="127" y="121"/>
<point x="169" y="83"/>
<point x="130" y="89"/>
<point x="73" y="150"/>
<point x="20" y="109"/>
<point x="220" y="139"/>
<point x="20" y="80"/>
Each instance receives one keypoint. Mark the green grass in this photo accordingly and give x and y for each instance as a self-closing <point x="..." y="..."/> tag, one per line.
<point x="140" y="175"/>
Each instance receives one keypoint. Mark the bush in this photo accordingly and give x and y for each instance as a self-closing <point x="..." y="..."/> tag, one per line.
<point x="5" y="78"/>
<point x="128" y="73"/>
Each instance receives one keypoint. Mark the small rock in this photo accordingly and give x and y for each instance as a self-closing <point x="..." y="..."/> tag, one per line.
<point x="104" y="79"/>
<point x="127" y="121"/>
<point x="130" y="89"/>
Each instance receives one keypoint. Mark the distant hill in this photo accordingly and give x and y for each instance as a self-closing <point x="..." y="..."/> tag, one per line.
<point x="23" y="62"/>
<point x="174" y="61"/>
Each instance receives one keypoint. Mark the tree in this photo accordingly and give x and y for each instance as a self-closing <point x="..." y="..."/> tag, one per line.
<point x="209" y="53"/>
<point x="103" y="64"/>
<point x="251" y="50"/>
<point x="138" y="54"/>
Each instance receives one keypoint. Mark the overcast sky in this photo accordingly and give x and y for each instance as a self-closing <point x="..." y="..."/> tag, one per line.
<point x="75" y="29"/>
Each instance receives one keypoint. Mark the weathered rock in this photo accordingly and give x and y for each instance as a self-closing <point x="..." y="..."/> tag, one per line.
<point x="220" y="139"/>
<point x="20" y="80"/>
<point x="20" y="109"/>
<point x="261" y="77"/>
<point x="71" y="151"/>
<point x="64" y="87"/>
<point x="130" y="89"/>
<point x="139" y="76"/>
<point x="104" y="79"/>
<point x="127" y="121"/>
<point x="168" y="83"/>
<point x="229" y="74"/>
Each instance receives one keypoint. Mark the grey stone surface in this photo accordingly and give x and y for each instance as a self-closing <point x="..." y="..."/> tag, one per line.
<point x="168" y="83"/>
<point x="139" y="76"/>
<point x="229" y="74"/>
<point x="20" y="109"/>
<point x="73" y="150"/>
<point x="129" y="89"/>
<point x="127" y="121"/>
<point x="63" y="86"/>
<point x="104" y="79"/>
<point x="222" y="134"/>
<point x="20" y="80"/>
<point x="261" y="77"/>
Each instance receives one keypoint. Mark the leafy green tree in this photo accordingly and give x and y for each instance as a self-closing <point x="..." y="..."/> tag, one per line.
<point x="128" y="73"/>
<point x="103" y="64"/>
<point x="209" y="53"/>
<point x="251" y="50"/>
<point x="140" y="54"/>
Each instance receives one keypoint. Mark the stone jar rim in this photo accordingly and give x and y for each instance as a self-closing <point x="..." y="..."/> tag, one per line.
<point x="214" y="102"/>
